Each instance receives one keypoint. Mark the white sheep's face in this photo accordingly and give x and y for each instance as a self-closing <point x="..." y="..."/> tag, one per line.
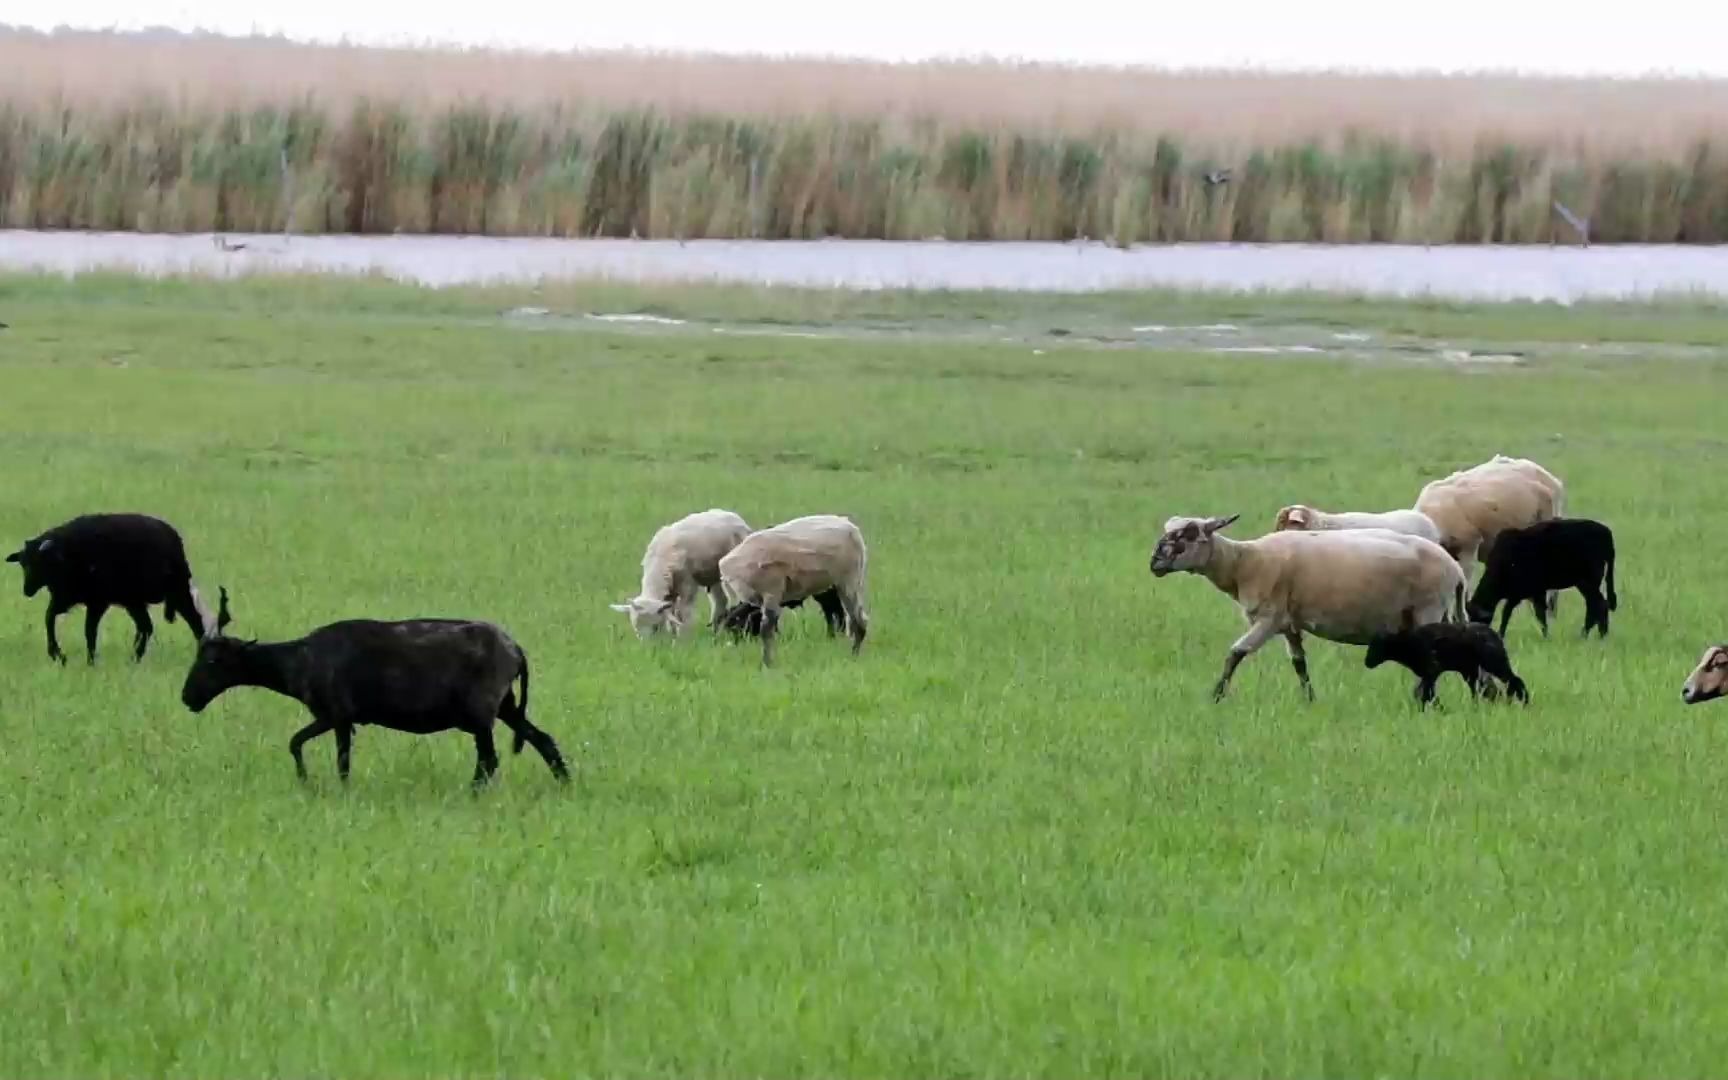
<point x="1709" y="680"/>
<point x="1186" y="544"/>
<point x="649" y="617"/>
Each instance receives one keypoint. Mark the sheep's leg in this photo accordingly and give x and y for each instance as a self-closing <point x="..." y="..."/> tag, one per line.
<point x="92" y="622"/>
<point x="852" y="606"/>
<point x="1299" y="660"/>
<point x="55" y="610"/>
<point x="486" y="755"/>
<point x="1247" y="645"/>
<point x="1538" y="605"/>
<point x="1506" y="615"/>
<point x="144" y="627"/>
<point x="770" y="628"/>
<point x="344" y="747"/>
<point x="1425" y="690"/>
<point x="1595" y="610"/>
<point x="717" y="605"/>
<point x="317" y="727"/>
<point x="542" y="743"/>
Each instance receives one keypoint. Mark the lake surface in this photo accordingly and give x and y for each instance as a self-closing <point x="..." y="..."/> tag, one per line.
<point x="1562" y="274"/>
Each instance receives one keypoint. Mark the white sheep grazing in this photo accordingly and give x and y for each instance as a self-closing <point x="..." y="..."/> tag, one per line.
<point x="794" y="560"/>
<point x="1308" y="519"/>
<point x="1344" y="586"/>
<point x="1472" y="506"/>
<point x="681" y="558"/>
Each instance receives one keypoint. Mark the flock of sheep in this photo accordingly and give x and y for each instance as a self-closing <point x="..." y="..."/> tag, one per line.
<point x="1394" y="582"/>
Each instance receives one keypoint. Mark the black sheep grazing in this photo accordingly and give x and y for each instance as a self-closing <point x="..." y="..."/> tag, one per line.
<point x="1561" y="553"/>
<point x="746" y="619"/>
<point x="417" y="675"/>
<point x="128" y="561"/>
<point x="1473" y="651"/>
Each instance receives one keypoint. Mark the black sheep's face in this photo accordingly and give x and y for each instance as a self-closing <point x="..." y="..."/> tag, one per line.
<point x="30" y="559"/>
<point x="220" y="664"/>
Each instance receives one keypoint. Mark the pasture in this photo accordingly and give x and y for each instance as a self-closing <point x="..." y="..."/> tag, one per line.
<point x="1013" y="837"/>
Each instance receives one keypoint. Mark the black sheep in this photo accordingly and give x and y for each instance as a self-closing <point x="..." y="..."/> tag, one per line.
<point x="746" y="619"/>
<point x="1528" y="563"/>
<point x="418" y="675"/>
<point x="1474" y="651"/>
<point x="127" y="561"/>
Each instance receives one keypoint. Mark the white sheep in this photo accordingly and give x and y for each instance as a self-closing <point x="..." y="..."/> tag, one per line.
<point x="680" y="559"/>
<point x="1307" y="518"/>
<point x="1344" y="586"/>
<point x="1472" y="506"/>
<point x="794" y="560"/>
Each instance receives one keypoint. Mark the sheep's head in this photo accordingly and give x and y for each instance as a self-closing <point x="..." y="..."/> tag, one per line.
<point x="1294" y="517"/>
<point x="221" y="662"/>
<point x="1392" y="645"/>
<point x="33" y="558"/>
<point x="1186" y="543"/>
<point x="648" y="617"/>
<point x="1709" y="680"/>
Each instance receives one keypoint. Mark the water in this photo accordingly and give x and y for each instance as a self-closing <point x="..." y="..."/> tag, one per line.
<point x="1563" y="274"/>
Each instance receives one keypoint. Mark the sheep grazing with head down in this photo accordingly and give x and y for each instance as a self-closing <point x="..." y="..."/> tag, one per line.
<point x="680" y="559"/>
<point x="1343" y="586"/>
<point x="804" y="557"/>
<point x="1410" y="522"/>
<point x="1474" y="652"/>
<point x="128" y="561"/>
<point x="1709" y="680"/>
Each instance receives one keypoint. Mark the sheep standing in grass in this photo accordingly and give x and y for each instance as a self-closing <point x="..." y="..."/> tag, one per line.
<point x="416" y="675"/>
<point x="794" y="560"/>
<point x="129" y="561"/>
<point x="1709" y="680"/>
<point x="1473" y="506"/>
<point x="1343" y="586"/>
<point x="1530" y="563"/>
<point x="680" y="559"/>
<point x="1409" y="522"/>
<point x="1475" y="652"/>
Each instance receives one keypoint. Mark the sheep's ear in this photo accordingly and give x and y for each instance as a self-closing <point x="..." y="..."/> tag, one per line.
<point x="661" y="607"/>
<point x="620" y="607"/>
<point x="16" y="556"/>
<point x="223" y="616"/>
<point x="1216" y="524"/>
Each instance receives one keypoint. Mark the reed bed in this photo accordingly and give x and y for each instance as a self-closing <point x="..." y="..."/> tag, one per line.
<point x="122" y="132"/>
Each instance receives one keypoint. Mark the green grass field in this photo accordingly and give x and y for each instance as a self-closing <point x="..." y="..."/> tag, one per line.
<point x="1013" y="838"/>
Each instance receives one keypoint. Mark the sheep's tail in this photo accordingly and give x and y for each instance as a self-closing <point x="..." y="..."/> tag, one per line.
<point x="1613" y="600"/>
<point x="521" y="707"/>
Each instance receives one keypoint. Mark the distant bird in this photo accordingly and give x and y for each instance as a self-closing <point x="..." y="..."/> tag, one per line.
<point x="1216" y="177"/>
<point x="224" y="245"/>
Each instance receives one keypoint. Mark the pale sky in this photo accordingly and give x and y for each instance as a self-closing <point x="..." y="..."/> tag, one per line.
<point x="1557" y="36"/>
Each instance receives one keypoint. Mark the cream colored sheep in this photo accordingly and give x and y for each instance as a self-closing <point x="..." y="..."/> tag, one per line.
<point x="1709" y="680"/>
<point x="794" y="560"/>
<point x="681" y="558"/>
<point x="1308" y="519"/>
<point x="1344" y="586"/>
<point x="1471" y="506"/>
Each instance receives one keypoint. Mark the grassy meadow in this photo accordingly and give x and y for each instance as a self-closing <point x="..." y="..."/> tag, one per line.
<point x="119" y="132"/>
<point x="1013" y="838"/>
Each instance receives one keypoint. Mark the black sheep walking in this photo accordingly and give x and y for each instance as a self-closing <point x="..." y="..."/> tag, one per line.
<point x="128" y="561"/>
<point x="1472" y="650"/>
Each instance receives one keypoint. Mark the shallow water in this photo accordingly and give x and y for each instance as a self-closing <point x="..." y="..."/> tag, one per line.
<point x="1562" y="274"/>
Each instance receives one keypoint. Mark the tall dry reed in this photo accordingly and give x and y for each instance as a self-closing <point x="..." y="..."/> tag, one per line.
<point x="123" y="132"/>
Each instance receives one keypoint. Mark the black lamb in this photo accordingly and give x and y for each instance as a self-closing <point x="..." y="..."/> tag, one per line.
<point x="1561" y="553"/>
<point x="1474" y="651"/>
<point x="128" y="561"/>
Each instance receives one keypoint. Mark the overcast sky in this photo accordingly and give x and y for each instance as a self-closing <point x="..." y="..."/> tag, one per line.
<point x="1564" y="36"/>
